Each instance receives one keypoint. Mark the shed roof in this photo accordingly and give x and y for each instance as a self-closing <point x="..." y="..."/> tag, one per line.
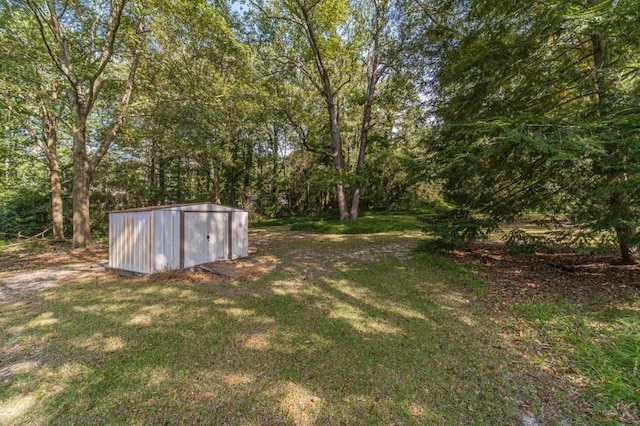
<point x="172" y="207"/>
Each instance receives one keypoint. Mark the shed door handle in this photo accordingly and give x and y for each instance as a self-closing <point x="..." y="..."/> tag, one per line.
<point x="207" y="237"/>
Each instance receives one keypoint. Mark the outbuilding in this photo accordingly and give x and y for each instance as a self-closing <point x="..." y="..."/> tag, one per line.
<point x="160" y="238"/>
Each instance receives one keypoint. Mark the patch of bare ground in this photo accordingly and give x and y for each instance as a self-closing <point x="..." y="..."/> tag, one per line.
<point x="25" y="271"/>
<point x="261" y="262"/>
<point x="28" y="267"/>
<point x="28" y="257"/>
<point x="551" y="276"/>
<point x="241" y="269"/>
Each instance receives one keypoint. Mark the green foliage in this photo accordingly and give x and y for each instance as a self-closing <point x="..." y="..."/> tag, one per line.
<point x="576" y="240"/>
<point x="456" y="228"/>
<point x="520" y="241"/>
<point x="24" y="212"/>
<point x="219" y="112"/>
<point x="527" y="122"/>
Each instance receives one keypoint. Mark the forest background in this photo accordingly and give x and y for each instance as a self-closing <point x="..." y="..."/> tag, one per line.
<point x="481" y="112"/>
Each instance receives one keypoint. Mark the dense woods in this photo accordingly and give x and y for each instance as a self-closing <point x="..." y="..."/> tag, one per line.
<point x="490" y="110"/>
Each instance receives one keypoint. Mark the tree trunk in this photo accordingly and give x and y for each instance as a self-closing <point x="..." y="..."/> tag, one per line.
<point x="619" y="205"/>
<point x="628" y="252"/>
<point x="81" y="187"/>
<point x="216" y="185"/>
<point x="342" y="202"/>
<point x="81" y="223"/>
<point x="83" y="89"/>
<point x="374" y="74"/>
<point x="364" y="139"/>
<point x="57" y="213"/>
<point x="325" y="87"/>
<point x="152" y="165"/>
<point x="625" y="233"/>
<point x="162" y="186"/>
<point x="338" y="158"/>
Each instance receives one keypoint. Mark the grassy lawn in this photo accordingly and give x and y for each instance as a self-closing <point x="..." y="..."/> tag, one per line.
<point x="367" y="223"/>
<point x="338" y="329"/>
<point x="597" y="344"/>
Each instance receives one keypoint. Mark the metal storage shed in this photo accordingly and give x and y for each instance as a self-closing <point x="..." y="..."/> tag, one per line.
<point x="160" y="238"/>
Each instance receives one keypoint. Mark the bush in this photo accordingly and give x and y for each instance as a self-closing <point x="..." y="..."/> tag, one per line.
<point x="455" y="229"/>
<point x="24" y="212"/>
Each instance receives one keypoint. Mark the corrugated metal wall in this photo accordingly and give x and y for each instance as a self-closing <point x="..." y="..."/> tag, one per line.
<point x="131" y="242"/>
<point x="240" y="234"/>
<point x="206" y="237"/>
<point x="148" y="241"/>
<point x="167" y="240"/>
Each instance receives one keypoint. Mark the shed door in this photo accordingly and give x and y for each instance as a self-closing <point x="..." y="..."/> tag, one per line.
<point x="205" y="235"/>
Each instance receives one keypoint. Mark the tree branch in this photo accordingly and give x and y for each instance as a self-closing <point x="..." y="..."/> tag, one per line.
<point x="275" y="17"/>
<point x="62" y="64"/>
<point x="113" y="23"/>
<point x="303" y="136"/>
<point x="124" y="104"/>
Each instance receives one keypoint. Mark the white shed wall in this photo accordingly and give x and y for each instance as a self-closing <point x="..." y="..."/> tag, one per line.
<point x="148" y="241"/>
<point x="131" y="242"/>
<point x="206" y="237"/>
<point x="240" y="234"/>
<point x="167" y="240"/>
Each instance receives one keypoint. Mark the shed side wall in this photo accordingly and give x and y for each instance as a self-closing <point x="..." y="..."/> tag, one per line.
<point x="167" y="240"/>
<point x="240" y="234"/>
<point x="131" y="241"/>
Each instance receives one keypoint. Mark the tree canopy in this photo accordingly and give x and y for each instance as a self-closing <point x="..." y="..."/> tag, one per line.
<point x="492" y="109"/>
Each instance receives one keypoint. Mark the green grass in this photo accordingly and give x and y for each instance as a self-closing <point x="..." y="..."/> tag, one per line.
<point x="340" y="330"/>
<point x="600" y="342"/>
<point x="368" y="223"/>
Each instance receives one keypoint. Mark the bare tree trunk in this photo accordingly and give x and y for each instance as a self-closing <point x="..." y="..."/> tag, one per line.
<point x="625" y="233"/>
<point x="338" y="159"/>
<point x="153" y="154"/>
<point x="81" y="185"/>
<point x="216" y="184"/>
<point x="364" y="139"/>
<point x="81" y="222"/>
<point x="48" y="144"/>
<point x="57" y="213"/>
<point x="628" y="251"/>
<point x="343" y="208"/>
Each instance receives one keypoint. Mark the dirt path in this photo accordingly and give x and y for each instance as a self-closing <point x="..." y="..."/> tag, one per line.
<point x="24" y="270"/>
<point x="17" y="284"/>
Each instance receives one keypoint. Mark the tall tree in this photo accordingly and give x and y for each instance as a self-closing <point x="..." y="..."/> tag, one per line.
<point x="82" y="41"/>
<point x="323" y="41"/>
<point x="30" y="92"/>
<point x="384" y="47"/>
<point x="192" y="133"/>
<point x="537" y="105"/>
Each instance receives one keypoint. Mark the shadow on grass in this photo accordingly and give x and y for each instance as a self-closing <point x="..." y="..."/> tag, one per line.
<point x="601" y="343"/>
<point x="326" y="338"/>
